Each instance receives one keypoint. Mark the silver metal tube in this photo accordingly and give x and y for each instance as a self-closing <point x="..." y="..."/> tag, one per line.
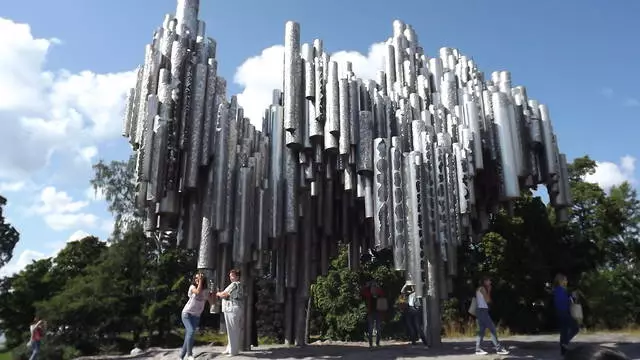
<point x="381" y="187"/>
<point x="332" y="124"/>
<point x="507" y="156"/>
<point x="291" y="173"/>
<point x="291" y="91"/>
<point x="195" y="127"/>
<point x="187" y="16"/>
<point x="210" y="112"/>
<point x="364" y="159"/>
<point x="345" y="139"/>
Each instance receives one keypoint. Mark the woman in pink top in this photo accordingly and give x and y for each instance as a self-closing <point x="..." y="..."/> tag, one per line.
<point x="198" y="295"/>
<point x="37" y="331"/>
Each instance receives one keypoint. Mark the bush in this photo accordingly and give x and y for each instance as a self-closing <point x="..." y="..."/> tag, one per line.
<point x="337" y="300"/>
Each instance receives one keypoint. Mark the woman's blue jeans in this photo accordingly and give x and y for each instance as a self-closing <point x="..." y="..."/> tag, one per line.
<point x="35" y="349"/>
<point x="190" y="322"/>
<point x="484" y="323"/>
<point x="568" y="329"/>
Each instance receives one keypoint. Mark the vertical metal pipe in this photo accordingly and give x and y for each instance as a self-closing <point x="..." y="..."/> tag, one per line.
<point x="382" y="233"/>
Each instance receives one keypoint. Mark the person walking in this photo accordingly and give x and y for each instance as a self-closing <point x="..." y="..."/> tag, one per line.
<point x="562" y="303"/>
<point x="36" y="330"/>
<point x="371" y="293"/>
<point x="483" y="299"/>
<point x="233" y="306"/>
<point x="413" y="313"/>
<point x="198" y="295"/>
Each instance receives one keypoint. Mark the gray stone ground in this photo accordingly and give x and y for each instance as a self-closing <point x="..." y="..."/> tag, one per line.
<point x="521" y="347"/>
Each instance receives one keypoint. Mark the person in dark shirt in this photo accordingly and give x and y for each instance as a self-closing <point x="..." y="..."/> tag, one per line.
<point x="371" y="292"/>
<point x="562" y="303"/>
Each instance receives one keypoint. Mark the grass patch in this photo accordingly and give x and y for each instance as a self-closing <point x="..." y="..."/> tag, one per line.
<point x="5" y="355"/>
<point x="469" y="329"/>
<point x="632" y="329"/>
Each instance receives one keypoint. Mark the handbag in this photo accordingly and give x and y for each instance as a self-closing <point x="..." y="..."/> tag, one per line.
<point x="576" y="312"/>
<point x="473" y="307"/>
<point x="382" y="304"/>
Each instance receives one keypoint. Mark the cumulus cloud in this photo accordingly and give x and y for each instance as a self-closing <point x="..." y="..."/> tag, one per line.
<point x="258" y="83"/>
<point x="94" y="194"/>
<point x="28" y="256"/>
<point x="25" y="258"/>
<point x="610" y="174"/>
<point x="61" y="212"/>
<point x="14" y="186"/>
<point x="78" y="235"/>
<point x="43" y="110"/>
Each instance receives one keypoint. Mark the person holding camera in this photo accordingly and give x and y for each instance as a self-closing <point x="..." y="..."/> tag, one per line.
<point x="413" y="313"/>
<point x="37" y="333"/>
<point x="198" y="295"/>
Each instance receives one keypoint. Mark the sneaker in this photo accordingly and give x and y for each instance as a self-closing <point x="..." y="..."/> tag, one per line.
<point x="481" y="352"/>
<point x="502" y="351"/>
<point x="190" y="357"/>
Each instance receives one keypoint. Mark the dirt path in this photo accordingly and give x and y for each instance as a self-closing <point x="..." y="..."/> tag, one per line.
<point x="521" y="347"/>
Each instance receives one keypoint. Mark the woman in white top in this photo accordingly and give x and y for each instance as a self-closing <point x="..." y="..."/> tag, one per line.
<point x="198" y="295"/>
<point x="232" y="306"/>
<point x="483" y="299"/>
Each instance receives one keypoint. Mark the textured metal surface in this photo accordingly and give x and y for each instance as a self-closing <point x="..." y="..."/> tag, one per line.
<point x="381" y="188"/>
<point x="210" y="112"/>
<point x="196" y="125"/>
<point x="507" y="153"/>
<point x="364" y="157"/>
<point x="325" y="165"/>
<point x="291" y="91"/>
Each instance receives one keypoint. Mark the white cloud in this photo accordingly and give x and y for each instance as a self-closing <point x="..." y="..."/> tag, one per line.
<point x="78" y="235"/>
<point x="610" y="174"/>
<point x="87" y="154"/>
<point x="107" y="225"/>
<point x="52" y="200"/>
<point x="61" y="212"/>
<point x="258" y="83"/>
<point x="93" y="194"/>
<point x="28" y="256"/>
<point x="60" y="222"/>
<point x="49" y="112"/>
<point x="25" y="258"/>
<point x="14" y="186"/>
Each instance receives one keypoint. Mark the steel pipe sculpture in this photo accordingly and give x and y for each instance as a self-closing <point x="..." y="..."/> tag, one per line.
<point x="413" y="161"/>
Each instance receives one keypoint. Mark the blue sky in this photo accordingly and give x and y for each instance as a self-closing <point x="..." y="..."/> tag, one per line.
<point x="577" y="56"/>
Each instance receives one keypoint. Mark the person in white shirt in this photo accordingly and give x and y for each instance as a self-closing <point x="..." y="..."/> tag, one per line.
<point x="232" y="306"/>
<point x="413" y="313"/>
<point x="198" y="295"/>
<point x="483" y="299"/>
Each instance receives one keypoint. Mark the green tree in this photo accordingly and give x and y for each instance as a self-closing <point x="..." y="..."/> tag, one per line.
<point x="163" y="266"/>
<point x="626" y="247"/>
<point x="115" y="180"/>
<point x="74" y="259"/>
<point x="337" y="297"/>
<point x="9" y="237"/>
